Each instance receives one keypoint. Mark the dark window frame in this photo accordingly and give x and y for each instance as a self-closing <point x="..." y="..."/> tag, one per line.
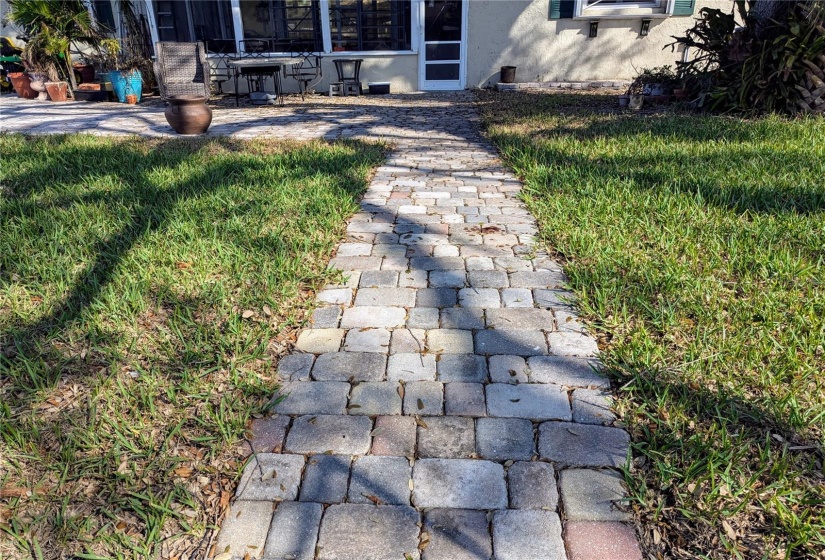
<point x="362" y="26"/>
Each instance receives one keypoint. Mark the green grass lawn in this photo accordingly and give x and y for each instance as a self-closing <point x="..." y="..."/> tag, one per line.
<point x="696" y="247"/>
<point x="146" y="289"/>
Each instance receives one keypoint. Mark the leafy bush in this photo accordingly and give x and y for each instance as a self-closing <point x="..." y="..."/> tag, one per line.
<point x="772" y="64"/>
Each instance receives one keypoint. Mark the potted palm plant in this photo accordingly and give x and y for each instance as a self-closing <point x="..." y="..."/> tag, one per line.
<point x="56" y="26"/>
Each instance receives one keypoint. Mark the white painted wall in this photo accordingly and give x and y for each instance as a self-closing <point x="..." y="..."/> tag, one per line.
<point x="520" y="33"/>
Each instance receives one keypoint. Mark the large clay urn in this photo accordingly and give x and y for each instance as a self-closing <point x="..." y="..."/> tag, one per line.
<point x="188" y="114"/>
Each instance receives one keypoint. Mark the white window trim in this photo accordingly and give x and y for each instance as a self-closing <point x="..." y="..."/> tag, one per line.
<point x="659" y="9"/>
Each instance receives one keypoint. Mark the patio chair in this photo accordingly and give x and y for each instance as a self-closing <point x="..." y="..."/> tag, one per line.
<point x="182" y="69"/>
<point x="308" y="71"/>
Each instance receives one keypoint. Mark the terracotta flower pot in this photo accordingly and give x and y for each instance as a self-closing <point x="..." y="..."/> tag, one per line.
<point x="57" y="90"/>
<point x="86" y="72"/>
<point x="22" y="85"/>
<point x="131" y="99"/>
<point x="188" y="114"/>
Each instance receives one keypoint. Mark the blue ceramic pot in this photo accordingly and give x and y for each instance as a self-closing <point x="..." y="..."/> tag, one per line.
<point x="126" y="83"/>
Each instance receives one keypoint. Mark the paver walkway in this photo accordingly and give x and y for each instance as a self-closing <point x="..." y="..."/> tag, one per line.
<point x="443" y="404"/>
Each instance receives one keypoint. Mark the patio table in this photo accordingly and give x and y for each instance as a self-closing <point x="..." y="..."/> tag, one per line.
<point x="261" y="65"/>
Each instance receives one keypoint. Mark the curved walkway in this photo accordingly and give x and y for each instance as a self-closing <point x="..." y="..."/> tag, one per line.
<point x="443" y="404"/>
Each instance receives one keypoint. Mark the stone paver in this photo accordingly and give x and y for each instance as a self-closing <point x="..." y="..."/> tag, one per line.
<point x="459" y="483"/>
<point x="592" y="495"/>
<point x="330" y="433"/>
<point x="519" y="534"/>
<point x="270" y="477"/>
<point x="394" y="435"/>
<point x="245" y="528"/>
<point x="445" y="290"/>
<point x="380" y="481"/>
<point x="375" y="397"/>
<point x="349" y="366"/>
<point x="503" y="439"/>
<point x="532" y="485"/>
<point x="457" y="534"/>
<point x="325" y="479"/>
<point x="294" y="531"/>
<point x="448" y="437"/>
<point x="583" y="445"/>
<point x="350" y="531"/>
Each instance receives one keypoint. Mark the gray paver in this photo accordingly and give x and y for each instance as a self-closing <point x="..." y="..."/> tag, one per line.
<point x="350" y="531"/>
<point x="394" y="435"/>
<point x="423" y="318"/>
<point x="532" y="485"/>
<point x="464" y="399"/>
<point x="378" y="279"/>
<point x="458" y="483"/>
<point x="407" y="341"/>
<point x="488" y="279"/>
<point x="244" y="528"/>
<point x="591" y="495"/>
<point x="541" y="279"/>
<point x="450" y="341"/>
<point x="349" y="366"/>
<point x="467" y="368"/>
<point x="371" y="398"/>
<point x="552" y="298"/>
<point x="313" y="397"/>
<point x="295" y="367"/>
<point x="567" y="343"/>
<point x="457" y="534"/>
<point x="520" y="534"/>
<point x="508" y="369"/>
<point x="528" y="400"/>
<point x="423" y="398"/>
<point x="449" y="437"/>
<point x="571" y="372"/>
<point x="367" y="340"/>
<point x="516" y="297"/>
<point x="436" y="297"/>
<point x="346" y="435"/>
<point x="319" y="341"/>
<point x="326" y="317"/>
<point x="385" y="297"/>
<point x="335" y="296"/>
<point x="447" y="279"/>
<point x="411" y="367"/>
<point x="479" y="297"/>
<point x="380" y="481"/>
<point x="462" y="318"/>
<point x="294" y="531"/>
<point x="325" y="479"/>
<point x="271" y="476"/>
<point x="372" y="316"/>
<point x="518" y="318"/>
<point x="592" y="406"/>
<point x="510" y="341"/>
<point x="583" y="444"/>
<point x="503" y="439"/>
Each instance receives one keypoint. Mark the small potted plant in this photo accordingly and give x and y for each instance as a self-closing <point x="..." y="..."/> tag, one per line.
<point x="635" y="95"/>
<point x="39" y="67"/>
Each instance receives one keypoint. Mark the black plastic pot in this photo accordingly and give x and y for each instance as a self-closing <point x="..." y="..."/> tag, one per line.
<point x="508" y="74"/>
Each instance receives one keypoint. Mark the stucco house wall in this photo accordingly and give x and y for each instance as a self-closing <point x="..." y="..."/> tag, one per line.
<point x="520" y="33"/>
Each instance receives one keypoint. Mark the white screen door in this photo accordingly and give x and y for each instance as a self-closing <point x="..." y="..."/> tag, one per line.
<point x="443" y="56"/>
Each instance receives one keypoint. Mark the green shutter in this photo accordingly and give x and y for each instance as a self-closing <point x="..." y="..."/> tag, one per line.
<point x="683" y="7"/>
<point x="562" y="9"/>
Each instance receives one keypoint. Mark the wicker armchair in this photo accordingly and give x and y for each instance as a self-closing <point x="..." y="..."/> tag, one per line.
<point x="182" y="69"/>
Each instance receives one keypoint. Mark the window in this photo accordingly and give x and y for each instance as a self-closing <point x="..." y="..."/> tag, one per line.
<point x="281" y="26"/>
<point x="622" y="3"/>
<point x="370" y="25"/>
<point x="209" y="21"/>
<point x="104" y="15"/>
